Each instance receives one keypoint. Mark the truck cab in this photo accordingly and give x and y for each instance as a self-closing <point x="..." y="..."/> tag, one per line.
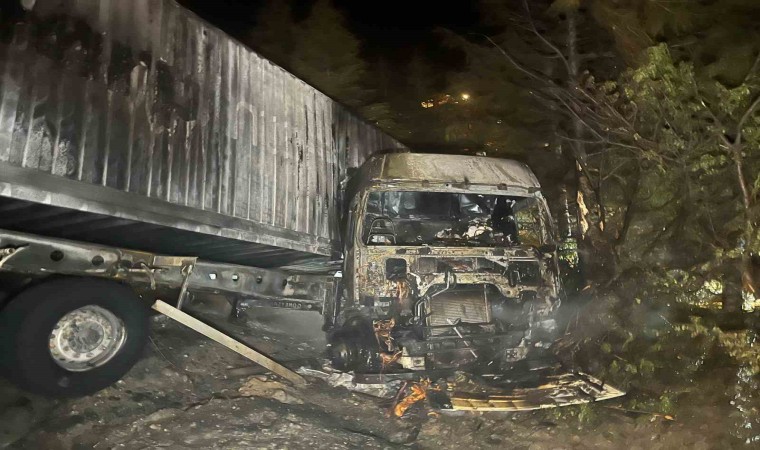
<point x="450" y="262"/>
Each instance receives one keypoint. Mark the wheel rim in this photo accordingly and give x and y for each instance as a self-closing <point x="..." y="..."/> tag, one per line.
<point x="86" y="338"/>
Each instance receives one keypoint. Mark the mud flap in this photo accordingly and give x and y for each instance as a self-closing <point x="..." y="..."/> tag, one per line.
<point x="558" y="390"/>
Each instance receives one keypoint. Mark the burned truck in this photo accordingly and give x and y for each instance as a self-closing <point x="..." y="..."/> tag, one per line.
<point x="145" y="155"/>
<point x="450" y="262"/>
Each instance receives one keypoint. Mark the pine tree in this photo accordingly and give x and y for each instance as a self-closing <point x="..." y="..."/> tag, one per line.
<point x="273" y="36"/>
<point x="327" y="55"/>
<point x="321" y="50"/>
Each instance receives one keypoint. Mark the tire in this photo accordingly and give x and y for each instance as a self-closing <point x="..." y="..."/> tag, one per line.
<point x="26" y="334"/>
<point x="353" y="346"/>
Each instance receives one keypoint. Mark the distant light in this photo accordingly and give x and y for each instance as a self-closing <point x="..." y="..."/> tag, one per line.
<point x="465" y="96"/>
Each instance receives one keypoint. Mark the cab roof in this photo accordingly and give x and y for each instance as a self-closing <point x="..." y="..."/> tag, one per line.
<point x="451" y="170"/>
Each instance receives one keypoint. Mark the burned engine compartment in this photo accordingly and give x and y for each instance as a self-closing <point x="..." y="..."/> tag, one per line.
<point x="446" y="280"/>
<point x="448" y="308"/>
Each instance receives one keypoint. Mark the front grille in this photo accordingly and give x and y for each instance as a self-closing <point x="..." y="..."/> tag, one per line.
<point x="468" y="305"/>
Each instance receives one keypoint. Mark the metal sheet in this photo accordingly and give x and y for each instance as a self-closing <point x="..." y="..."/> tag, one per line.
<point x="144" y="104"/>
<point x="72" y="224"/>
<point x="468" y="305"/>
<point x="563" y="389"/>
<point x="454" y="169"/>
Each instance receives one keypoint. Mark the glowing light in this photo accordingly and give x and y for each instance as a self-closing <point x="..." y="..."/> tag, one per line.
<point x="465" y="96"/>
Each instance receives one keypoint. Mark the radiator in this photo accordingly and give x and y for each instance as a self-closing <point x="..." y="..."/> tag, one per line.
<point x="468" y="304"/>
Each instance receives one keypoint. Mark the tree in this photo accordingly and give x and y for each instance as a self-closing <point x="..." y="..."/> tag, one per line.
<point x="273" y="35"/>
<point x="321" y="50"/>
<point x="552" y="51"/>
<point x="694" y="141"/>
<point x="532" y="60"/>
<point x="327" y="55"/>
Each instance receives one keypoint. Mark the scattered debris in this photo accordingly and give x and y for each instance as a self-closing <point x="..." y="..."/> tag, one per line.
<point x="654" y="415"/>
<point x="347" y="380"/>
<point x="465" y="392"/>
<point x="562" y="389"/>
<point x="417" y="392"/>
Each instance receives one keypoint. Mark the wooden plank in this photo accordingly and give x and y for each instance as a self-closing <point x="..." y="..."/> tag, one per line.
<point x="227" y="341"/>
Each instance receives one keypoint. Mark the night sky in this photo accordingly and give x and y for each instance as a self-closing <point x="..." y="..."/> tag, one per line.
<point x="388" y="28"/>
<point x="394" y="24"/>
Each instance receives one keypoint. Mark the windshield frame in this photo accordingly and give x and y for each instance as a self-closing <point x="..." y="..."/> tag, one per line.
<point x="547" y="232"/>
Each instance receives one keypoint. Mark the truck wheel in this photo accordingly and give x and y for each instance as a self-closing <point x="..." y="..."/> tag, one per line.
<point x="72" y="336"/>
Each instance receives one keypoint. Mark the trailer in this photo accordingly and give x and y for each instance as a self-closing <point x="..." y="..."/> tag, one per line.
<point x="138" y="111"/>
<point x="144" y="154"/>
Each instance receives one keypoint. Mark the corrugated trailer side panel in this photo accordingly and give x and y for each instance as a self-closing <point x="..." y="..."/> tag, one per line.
<point x="102" y="98"/>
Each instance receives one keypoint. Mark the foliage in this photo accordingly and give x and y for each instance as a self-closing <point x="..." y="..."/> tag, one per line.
<point x="322" y="50"/>
<point x="657" y="146"/>
<point x="683" y="145"/>
<point x="327" y="54"/>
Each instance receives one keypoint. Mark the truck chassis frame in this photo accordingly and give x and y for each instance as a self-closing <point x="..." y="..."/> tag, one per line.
<point x="39" y="256"/>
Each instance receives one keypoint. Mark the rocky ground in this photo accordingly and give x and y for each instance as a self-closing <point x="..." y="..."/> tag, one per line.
<point x="189" y="392"/>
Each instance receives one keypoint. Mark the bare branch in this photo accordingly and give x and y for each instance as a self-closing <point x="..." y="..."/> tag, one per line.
<point x="580" y="119"/>
<point x="753" y="69"/>
<point x="582" y="141"/>
<point x="629" y="212"/>
<point x="544" y="40"/>
<point x="515" y="63"/>
<point x="746" y="196"/>
<point x="744" y="118"/>
<point x="612" y="173"/>
<point x="595" y="55"/>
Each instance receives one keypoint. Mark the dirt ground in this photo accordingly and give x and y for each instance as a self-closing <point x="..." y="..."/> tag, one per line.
<point x="186" y="393"/>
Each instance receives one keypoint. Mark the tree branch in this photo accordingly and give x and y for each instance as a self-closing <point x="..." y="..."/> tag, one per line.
<point x="753" y="69"/>
<point x="544" y="40"/>
<point x="515" y="63"/>
<point x="629" y="211"/>
<point x="744" y="118"/>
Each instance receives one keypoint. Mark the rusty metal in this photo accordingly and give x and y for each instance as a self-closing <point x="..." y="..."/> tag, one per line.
<point x="477" y="297"/>
<point x="563" y="389"/>
<point x="467" y="305"/>
<point x="8" y="253"/>
<point x="139" y="110"/>
<point x="186" y="271"/>
<point x="148" y="271"/>
<point x="447" y="173"/>
<point x="453" y="324"/>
